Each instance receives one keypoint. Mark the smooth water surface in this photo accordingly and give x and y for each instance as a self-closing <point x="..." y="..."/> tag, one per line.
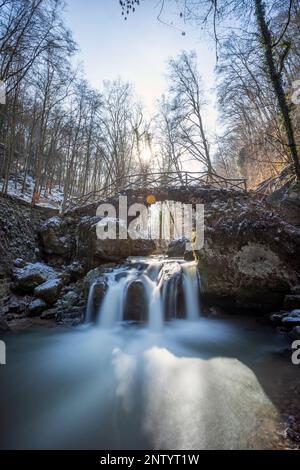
<point x="196" y="385"/>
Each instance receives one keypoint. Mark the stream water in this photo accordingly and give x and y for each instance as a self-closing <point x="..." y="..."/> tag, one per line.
<point x="193" y="383"/>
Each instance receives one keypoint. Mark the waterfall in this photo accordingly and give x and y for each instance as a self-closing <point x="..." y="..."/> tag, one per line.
<point x="191" y="290"/>
<point x="152" y="289"/>
<point x="171" y="279"/>
<point x="90" y="305"/>
<point x="156" y="314"/>
<point x="111" y="311"/>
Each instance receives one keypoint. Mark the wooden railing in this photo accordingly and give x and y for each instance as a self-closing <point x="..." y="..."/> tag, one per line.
<point x="168" y="180"/>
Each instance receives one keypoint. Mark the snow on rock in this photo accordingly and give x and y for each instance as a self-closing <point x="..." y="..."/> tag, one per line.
<point x="295" y="333"/>
<point x="32" y="275"/>
<point x="291" y="320"/>
<point x="36" y="307"/>
<point x="49" y="291"/>
<point x="55" y="238"/>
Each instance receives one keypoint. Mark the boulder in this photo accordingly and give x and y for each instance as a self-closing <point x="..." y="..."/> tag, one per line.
<point x="49" y="291"/>
<point x="49" y="314"/>
<point x="245" y="263"/>
<point x="171" y="277"/>
<point x="176" y="248"/>
<point x="16" y="306"/>
<point x="4" y="310"/>
<point x="136" y="305"/>
<point x="287" y="200"/>
<point x="65" y="278"/>
<point x="94" y="276"/>
<point x="67" y="316"/>
<point x="32" y="275"/>
<point x="95" y="297"/>
<point x="36" y="307"/>
<point x="292" y="302"/>
<point x="4" y="328"/>
<point x="76" y="271"/>
<point x="20" y="263"/>
<point x="214" y="312"/>
<point x="93" y="251"/>
<point x="295" y="333"/>
<point x="100" y="288"/>
<point x="118" y="250"/>
<point x="292" y="319"/>
<point x="70" y="299"/>
<point x="251" y="278"/>
<point x="55" y="238"/>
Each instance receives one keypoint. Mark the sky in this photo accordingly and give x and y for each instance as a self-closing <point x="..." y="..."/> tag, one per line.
<point x="137" y="50"/>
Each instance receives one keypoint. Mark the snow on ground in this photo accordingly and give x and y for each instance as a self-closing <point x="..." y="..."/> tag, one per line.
<point x="53" y="200"/>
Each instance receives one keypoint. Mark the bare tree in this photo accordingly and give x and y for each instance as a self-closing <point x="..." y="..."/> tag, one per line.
<point x="169" y="140"/>
<point x="255" y="18"/>
<point x="187" y="95"/>
<point x="116" y="122"/>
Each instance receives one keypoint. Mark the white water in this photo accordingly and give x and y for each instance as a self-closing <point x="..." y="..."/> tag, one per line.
<point x="191" y="290"/>
<point x="90" y="304"/>
<point x="112" y="307"/>
<point x="160" y="278"/>
<point x="156" y="313"/>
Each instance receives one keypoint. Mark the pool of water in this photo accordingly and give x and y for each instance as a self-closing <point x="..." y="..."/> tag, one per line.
<point x="207" y="384"/>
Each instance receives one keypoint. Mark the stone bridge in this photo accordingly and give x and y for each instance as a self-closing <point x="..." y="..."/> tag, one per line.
<point x="147" y="197"/>
<point x="185" y="187"/>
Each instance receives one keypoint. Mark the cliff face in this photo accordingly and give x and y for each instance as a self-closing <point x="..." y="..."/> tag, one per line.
<point x="283" y="193"/>
<point x="19" y="228"/>
<point x="251" y="256"/>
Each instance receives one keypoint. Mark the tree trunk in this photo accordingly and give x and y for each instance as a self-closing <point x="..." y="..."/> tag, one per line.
<point x="276" y="80"/>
